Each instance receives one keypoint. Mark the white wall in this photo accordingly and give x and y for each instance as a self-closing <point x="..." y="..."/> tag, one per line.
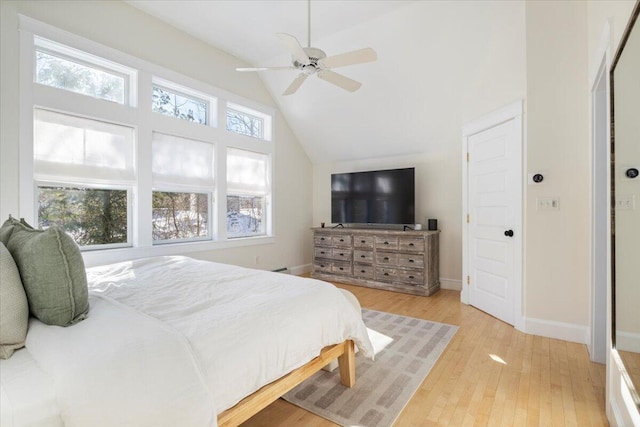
<point x="476" y="59"/>
<point x="119" y="26"/>
<point x="557" y="254"/>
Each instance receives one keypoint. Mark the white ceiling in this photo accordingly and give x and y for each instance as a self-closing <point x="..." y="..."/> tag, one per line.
<point x="411" y="99"/>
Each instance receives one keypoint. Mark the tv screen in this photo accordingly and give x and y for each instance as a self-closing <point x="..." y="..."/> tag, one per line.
<point x="374" y="197"/>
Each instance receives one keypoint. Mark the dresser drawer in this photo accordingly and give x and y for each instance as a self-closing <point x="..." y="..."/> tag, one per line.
<point x="409" y="260"/>
<point x="321" y="252"/>
<point x="364" y="271"/>
<point x="322" y="266"/>
<point x="411" y="277"/>
<point x="344" y="241"/>
<point x="412" y="244"/>
<point x="384" y="274"/>
<point x="343" y="268"/>
<point x="341" y="254"/>
<point x="365" y="257"/>
<point x="364" y="242"/>
<point x="384" y="242"/>
<point x="321" y="240"/>
<point x="386" y="258"/>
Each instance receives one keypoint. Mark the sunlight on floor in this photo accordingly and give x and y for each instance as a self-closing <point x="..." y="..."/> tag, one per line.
<point x="497" y="359"/>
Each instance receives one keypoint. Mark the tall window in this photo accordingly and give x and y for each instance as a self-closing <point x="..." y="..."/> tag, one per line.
<point x="183" y="182"/>
<point x="84" y="172"/>
<point x="248" y="191"/>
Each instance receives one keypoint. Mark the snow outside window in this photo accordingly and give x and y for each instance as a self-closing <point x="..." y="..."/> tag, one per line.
<point x="248" y="189"/>
<point x="183" y="182"/>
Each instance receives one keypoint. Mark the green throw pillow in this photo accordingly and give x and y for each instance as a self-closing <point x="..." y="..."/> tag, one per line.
<point x="14" y="309"/>
<point x="52" y="272"/>
<point x="7" y="229"/>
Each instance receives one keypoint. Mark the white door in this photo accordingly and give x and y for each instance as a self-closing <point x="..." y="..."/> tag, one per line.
<point x="494" y="224"/>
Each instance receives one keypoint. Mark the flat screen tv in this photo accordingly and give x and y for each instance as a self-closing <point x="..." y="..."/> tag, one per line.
<point x="373" y="197"/>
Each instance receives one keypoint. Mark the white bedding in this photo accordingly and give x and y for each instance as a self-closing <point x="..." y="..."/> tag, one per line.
<point x="175" y="341"/>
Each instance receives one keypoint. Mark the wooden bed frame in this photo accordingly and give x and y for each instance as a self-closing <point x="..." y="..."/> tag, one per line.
<point x="268" y="394"/>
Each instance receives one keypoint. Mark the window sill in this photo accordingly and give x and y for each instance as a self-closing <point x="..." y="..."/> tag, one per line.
<point x="108" y="256"/>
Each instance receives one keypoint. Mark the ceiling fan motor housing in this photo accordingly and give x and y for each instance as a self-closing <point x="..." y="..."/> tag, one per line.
<point x="314" y="55"/>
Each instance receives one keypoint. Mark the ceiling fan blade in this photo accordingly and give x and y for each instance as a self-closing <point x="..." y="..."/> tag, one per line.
<point x="264" y="68"/>
<point x="293" y="87"/>
<point x="294" y="47"/>
<point x="359" y="56"/>
<point x="339" y="80"/>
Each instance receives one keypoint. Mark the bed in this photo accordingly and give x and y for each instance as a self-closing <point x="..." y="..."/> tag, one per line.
<point x="177" y="341"/>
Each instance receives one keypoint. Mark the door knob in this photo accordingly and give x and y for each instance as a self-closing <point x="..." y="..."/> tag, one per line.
<point x="508" y="233"/>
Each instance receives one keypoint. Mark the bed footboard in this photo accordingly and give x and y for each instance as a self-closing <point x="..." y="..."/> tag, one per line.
<point x="268" y="394"/>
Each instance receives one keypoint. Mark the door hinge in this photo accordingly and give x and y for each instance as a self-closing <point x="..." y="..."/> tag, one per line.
<point x="468" y="218"/>
<point x="467" y="156"/>
<point x="468" y="280"/>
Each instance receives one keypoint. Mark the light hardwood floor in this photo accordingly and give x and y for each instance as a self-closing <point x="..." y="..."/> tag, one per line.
<point x="489" y="375"/>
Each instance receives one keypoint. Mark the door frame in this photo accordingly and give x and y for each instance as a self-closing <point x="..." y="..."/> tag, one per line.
<point x="513" y="111"/>
<point x="600" y="214"/>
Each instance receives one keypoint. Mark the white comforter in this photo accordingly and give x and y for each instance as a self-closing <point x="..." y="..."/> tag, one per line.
<point x="175" y="341"/>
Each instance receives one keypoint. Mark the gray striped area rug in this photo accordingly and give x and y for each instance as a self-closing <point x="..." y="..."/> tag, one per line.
<point x="384" y="386"/>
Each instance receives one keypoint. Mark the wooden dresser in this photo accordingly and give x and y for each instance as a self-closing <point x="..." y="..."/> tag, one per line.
<point x="402" y="261"/>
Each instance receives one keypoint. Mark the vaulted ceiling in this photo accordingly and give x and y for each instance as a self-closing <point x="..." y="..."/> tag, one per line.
<point x="437" y="62"/>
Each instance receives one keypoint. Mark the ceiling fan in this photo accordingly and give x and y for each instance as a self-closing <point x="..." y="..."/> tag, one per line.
<point x="310" y="60"/>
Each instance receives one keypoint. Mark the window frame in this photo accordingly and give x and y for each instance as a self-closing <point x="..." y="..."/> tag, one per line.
<point x="88" y="60"/>
<point x="137" y="113"/>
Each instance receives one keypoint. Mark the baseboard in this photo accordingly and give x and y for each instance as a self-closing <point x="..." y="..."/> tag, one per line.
<point x="454" y="285"/>
<point x="628" y="341"/>
<point x="558" y="330"/>
<point x="299" y="270"/>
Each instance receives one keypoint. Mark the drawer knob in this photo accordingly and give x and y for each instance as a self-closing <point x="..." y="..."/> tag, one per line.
<point x="411" y="244"/>
<point x="386" y="274"/>
<point x="386" y="258"/>
<point x="322" y="238"/>
<point x="321" y="265"/>
<point x="411" y="277"/>
<point x="363" y="241"/>
<point x="322" y="252"/>
<point x="386" y="243"/>
<point x="362" y="271"/>
<point x="341" y="268"/>
<point x="411" y="260"/>
<point x="342" y="240"/>
<point x="362" y="256"/>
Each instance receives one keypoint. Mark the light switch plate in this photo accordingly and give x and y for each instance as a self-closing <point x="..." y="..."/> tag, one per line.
<point x="548" y="203"/>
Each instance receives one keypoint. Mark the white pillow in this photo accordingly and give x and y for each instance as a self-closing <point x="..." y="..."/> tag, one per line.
<point x="14" y="308"/>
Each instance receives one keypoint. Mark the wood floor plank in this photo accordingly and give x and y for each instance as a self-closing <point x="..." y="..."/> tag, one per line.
<point x="530" y="381"/>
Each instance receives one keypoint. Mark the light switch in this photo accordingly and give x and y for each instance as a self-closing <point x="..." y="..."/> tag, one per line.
<point x="625" y="202"/>
<point x="547" y="204"/>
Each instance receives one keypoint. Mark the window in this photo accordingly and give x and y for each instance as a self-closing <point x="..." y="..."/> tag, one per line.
<point x="244" y="124"/>
<point x="183" y="181"/>
<point x="175" y="104"/>
<point x="247" y="193"/>
<point x="114" y="175"/>
<point x="246" y="121"/>
<point x="65" y="68"/>
<point x="71" y="152"/>
<point x="91" y="216"/>
<point x="180" y="216"/>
